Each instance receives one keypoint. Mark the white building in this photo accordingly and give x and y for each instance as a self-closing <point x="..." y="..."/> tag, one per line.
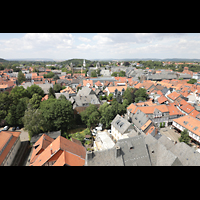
<point x="191" y="124"/>
<point x="120" y="127"/>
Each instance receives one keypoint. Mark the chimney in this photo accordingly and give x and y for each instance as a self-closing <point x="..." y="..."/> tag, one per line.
<point x="90" y="155"/>
<point x="117" y="151"/>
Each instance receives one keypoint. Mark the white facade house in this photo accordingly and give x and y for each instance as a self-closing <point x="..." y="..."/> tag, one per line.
<point x="191" y="124"/>
<point x="120" y="127"/>
<point x="196" y="76"/>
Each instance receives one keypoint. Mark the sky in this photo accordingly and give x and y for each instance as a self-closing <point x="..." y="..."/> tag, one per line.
<point x="64" y="46"/>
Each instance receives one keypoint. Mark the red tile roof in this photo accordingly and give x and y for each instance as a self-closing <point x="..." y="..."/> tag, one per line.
<point x="162" y="99"/>
<point x="10" y="137"/>
<point x="75" y="153"/>
<point x="187" y="108"/>
<point x="174" y="95"/>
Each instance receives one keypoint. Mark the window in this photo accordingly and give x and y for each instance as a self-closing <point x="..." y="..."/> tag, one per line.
<point x="117" y="122"/>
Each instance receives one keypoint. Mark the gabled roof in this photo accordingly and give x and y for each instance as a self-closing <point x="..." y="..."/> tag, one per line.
<point x="187" y="108"/>
<point x="162" y="99"/>
<point x="150" y="109"/>
<point x="194" y="113"/>
<point x="98" y="83"/>
<point x="43" y="142"/>
<point x="174" y="95"/>
<point x="190" y="123"/>
<point x="120" y="124"/>
<point x="55" y="149"/>
<point x="132" y="107"/>
<point x="119" y="88"/>
<point x="173" y="110"/>
<point x="87" y="81"/>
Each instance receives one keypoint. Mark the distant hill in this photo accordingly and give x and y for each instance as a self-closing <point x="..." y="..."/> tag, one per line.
<point x="2" y="60"/>
<point x="32" y="59"/>
<point x="77" y="62"/>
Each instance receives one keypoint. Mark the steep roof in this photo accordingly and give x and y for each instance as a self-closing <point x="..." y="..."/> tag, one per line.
<point x="120" y="124"/>
<point x="55" y="149"/>
<point x="7" y="140"/>
<point x="162" y="99"/>
<point x="187" y="108"/>
<point x="174" y="95"/>
<point x="173" y="110"/>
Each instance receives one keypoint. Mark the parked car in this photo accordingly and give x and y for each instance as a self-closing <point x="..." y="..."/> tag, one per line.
<point x="109" y="131"/>
<point x="17" y="128"/>
<point x="5" y="128"/>
<point x="14" y="128"/>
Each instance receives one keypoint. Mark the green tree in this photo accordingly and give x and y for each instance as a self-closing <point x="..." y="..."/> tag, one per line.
<point x="51" y="93"/>
<point x="192" y="81"/>
<point x="58" y="114"/>
<point x="110" y="96"/>
<point x="34" y="121"/>
<point x="35" y="89"/>
<point x="16" y="112"/>
<point x="18" y="92"/>
<point x="49" y="75"/>
<point x="129" y="94"/>
<point x="20" y="77"/>
<point x="122" y="74"/>
<point x="35" y="100"/>
<point x="5" y="102"/>
<point x="57" y="88"/>
<point x="184" y="137"/>
<point x="141" y="94"/>
<point x="90" y="116"/>
<point x="93" y="73"/>
<point x="125" y="103"/>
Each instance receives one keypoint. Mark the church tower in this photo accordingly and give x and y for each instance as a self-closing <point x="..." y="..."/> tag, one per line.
<point x="84" y="63"/>
<point x="97" y="65"/>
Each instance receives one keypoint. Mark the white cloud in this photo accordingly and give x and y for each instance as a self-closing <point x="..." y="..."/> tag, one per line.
<point x="39" y="40"/>
<point x="102" y="45"/>
<point x="84" y="39"/>
<point x="113" y="38"/>
<point x="85" y="46"/>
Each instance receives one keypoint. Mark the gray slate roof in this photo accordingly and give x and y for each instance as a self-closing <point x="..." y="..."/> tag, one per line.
<point x="139" y="119"/>
<point x="85" y="91"/>
<point x="134" y="151"/>
<point x="120" y="124"/>
<point x="84" y="100"/>
<point x="146" y="150"/>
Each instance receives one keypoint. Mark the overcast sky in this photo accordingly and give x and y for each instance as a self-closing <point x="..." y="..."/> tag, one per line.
<point x="63" y="46"/>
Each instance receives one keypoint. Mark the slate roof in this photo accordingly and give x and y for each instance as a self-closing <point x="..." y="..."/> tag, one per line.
<point x="134" y="151"/>
<point x="145" y="150"/>
<point x="84" y="100"/>
<point x="85" y="91"/>
<point x="120" y="124"/>
<point x="139" y="119"/>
